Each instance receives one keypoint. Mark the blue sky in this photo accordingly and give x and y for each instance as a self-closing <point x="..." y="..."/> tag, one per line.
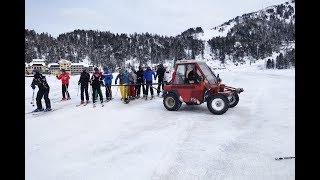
<point x="163" y="17"/>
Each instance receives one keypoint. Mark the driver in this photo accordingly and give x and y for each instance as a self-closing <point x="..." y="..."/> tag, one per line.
<point x="193" y="76"/>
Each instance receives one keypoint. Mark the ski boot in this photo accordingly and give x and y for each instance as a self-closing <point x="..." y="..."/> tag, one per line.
<point x="126" y="100"/>
<point x="47" y="109"/>
<point x="38" y="110"/>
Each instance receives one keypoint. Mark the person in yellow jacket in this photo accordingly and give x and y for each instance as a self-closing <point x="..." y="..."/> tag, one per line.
<point x="123" y="76"/>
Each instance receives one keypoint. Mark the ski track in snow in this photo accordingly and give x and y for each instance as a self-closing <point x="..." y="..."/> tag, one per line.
<point x="142" y="140"/>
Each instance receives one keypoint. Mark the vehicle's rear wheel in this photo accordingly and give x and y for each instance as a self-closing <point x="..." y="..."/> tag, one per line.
<point x="171" y="102"/>
<point x="218" y="104"/>
<point x="234" y="100"/>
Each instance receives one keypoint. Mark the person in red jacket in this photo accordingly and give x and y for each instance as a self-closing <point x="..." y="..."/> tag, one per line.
<point x="64" y="77"/>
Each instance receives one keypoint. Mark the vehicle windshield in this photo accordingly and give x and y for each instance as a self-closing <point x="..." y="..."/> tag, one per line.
<point x="209" y="75"/>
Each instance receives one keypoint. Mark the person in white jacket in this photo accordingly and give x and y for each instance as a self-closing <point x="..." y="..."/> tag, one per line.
<point x="167" y="77"/>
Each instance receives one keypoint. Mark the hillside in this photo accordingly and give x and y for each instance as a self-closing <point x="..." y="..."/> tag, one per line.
<point x="262" y="35"/>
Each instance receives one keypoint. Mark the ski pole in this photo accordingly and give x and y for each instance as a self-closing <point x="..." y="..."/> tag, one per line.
<point x="280" y="158"/>
<point x="155" y="88"/>
<point x="32" y="102"/>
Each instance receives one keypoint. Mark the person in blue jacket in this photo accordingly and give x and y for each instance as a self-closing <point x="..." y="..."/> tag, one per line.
<point x="107" y="77"/>
<point x="148" y="77"/>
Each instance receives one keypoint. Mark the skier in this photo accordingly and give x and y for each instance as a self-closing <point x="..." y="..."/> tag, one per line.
<point x="124" y="88"/>
<point x="160" y="75"/>
<point x="167" y="77"/>
<point x="43" y="91"/>
<point x="148" y="76"/>
<point x="96" y="82"/>
<point x="83" y="82"/>
<point x="64" y="76"/>
<point x="133" y="81"/>
<point x="107" y="77"/>
<point x="140" y="82"/>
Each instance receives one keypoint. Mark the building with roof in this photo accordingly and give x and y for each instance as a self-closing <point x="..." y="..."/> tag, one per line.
<point x="54" y="68"/>
<point x="35" y="64"/>
<point x="76" y="68"/>
<point x="65" y="64"/>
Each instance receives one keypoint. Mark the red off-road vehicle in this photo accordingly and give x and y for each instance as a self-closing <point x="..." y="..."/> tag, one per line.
<point x="194" y="83"/>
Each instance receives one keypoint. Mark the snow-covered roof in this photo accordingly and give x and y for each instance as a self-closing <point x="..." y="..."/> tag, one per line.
<point x="42" y="63"/>
<point x="80" y="64"/>
<point x="38" y="60"/>
<point x="50" y="64"/>
<point x="64" y="61"/>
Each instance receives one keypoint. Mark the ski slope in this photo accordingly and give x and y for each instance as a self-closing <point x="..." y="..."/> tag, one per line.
<point x="143" y="141"/>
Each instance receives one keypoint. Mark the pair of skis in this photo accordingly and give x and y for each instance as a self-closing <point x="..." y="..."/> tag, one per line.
<point x="83" y="104"/>
<point x="107" y="100"/>
<point x="39" y="113"/>
<point x="94" y="104"/>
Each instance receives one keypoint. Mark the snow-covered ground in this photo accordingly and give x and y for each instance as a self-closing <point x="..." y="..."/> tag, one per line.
<point x="143" y="141"/>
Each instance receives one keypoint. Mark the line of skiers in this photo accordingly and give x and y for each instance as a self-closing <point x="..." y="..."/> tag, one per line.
<point x="130" y="82"/>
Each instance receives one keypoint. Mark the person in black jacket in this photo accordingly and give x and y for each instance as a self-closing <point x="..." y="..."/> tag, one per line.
<point x="43" y="91"/>
<point x="84" y="85"/>
<point x="193" y="77"/>
<point x="160" y="74"/>
<point x="96" y="82"/>
<point x="140" y="82"/>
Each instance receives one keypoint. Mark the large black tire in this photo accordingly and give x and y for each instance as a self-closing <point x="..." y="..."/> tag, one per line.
<point x="171" y="102"/>
<point x="234" y="100"/>
<point x="218" y="104"/>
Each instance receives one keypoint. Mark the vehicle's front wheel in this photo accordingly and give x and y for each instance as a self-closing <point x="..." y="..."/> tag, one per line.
<point x="218" y="104"/>
<point x="171" y="102"/>
<point x="234" y="100"/>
